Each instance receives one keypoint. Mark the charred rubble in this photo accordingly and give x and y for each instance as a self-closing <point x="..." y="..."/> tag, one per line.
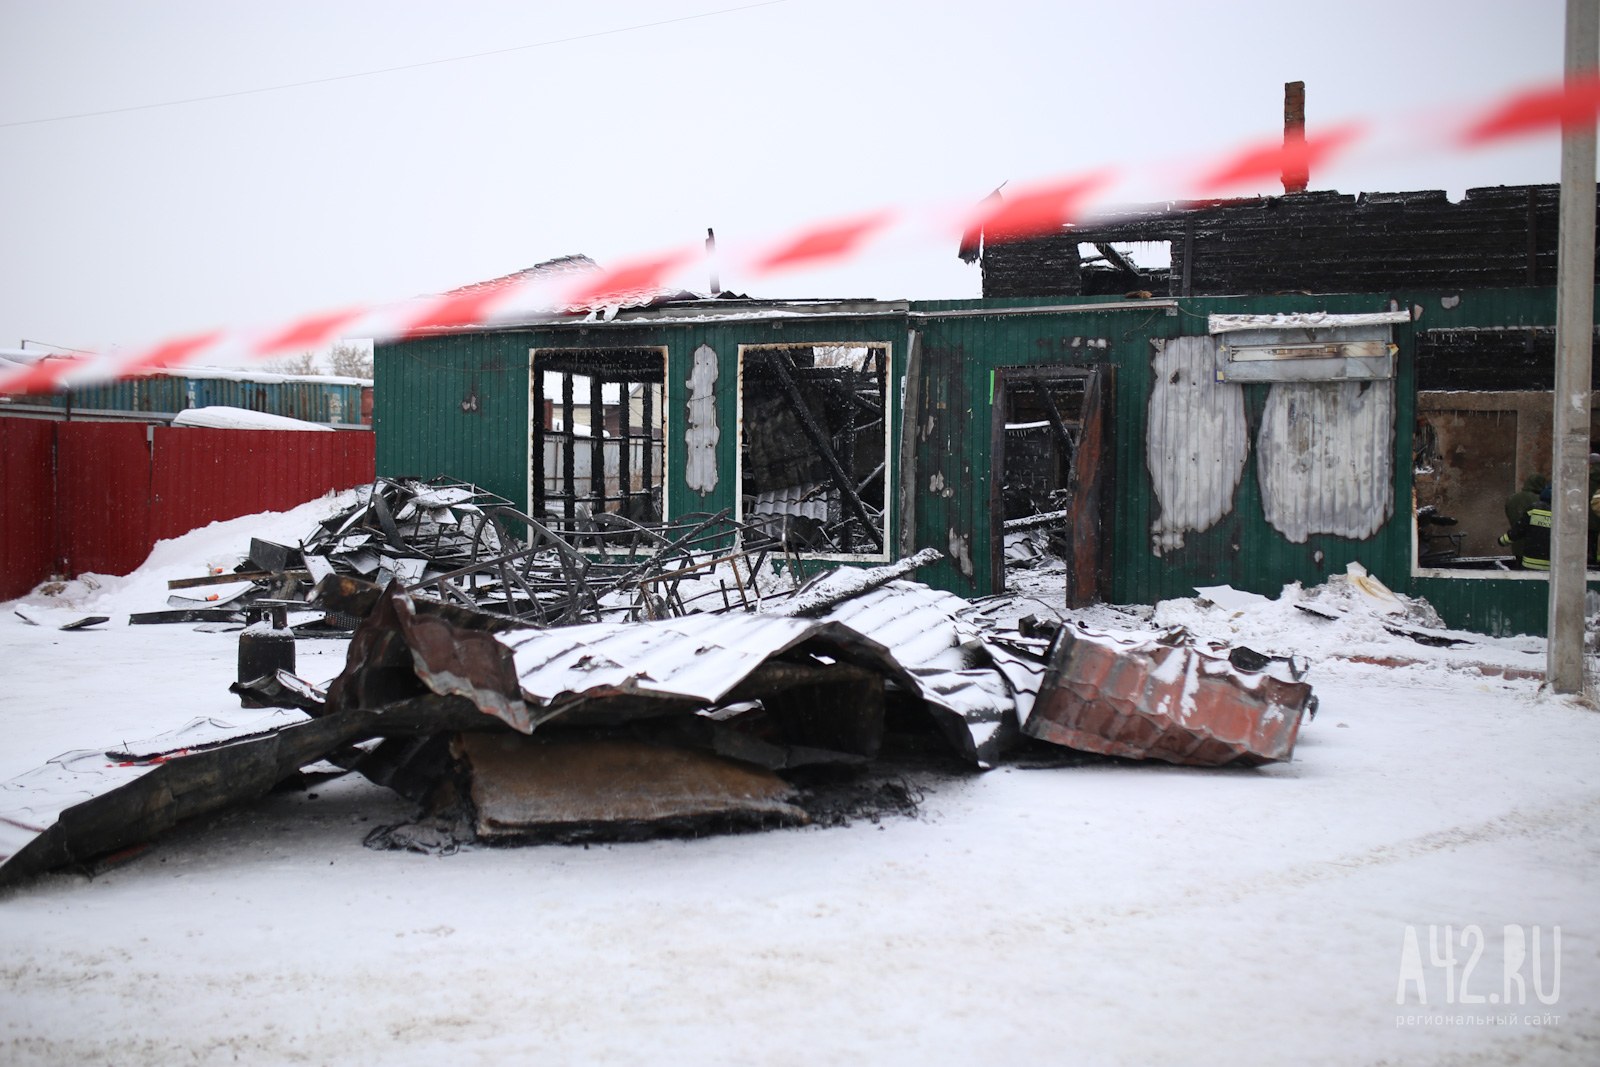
<point x="523" y="684"/>
<point x="470" y="548"/>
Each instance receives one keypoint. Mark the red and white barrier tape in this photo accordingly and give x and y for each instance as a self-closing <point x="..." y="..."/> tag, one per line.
<point x="1027" y="211"/>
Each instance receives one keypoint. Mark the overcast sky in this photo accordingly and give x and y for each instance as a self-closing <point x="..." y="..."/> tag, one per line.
<point x="128" y="227"/>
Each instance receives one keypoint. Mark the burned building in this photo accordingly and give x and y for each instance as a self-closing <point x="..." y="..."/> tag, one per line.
<point x="1311" y="242"/>
<point x="1240" y="418"/>
<point x="1483" y="402"/>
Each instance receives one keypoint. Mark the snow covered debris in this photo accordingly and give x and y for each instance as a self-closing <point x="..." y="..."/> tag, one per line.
<point x="1352" y="617"/>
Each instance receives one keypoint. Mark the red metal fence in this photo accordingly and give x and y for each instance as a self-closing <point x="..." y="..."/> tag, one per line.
<point x="97" y="496"/>
<point x="27" y="503"/>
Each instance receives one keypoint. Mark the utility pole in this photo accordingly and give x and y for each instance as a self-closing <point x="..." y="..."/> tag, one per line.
<point x="1574" y="341"/>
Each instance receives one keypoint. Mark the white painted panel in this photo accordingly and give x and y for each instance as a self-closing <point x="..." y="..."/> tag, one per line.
<point x="702" y="434"/>
<point x="1196" y="440"/>
<point x="1325" y="458"/>
<point x="1303" y="320"/>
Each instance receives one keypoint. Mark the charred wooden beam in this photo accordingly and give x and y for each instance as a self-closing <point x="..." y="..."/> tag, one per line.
<point x="1059" y="427"/>
<point x="819" y="441"/>
<point x="1118" y="260"/>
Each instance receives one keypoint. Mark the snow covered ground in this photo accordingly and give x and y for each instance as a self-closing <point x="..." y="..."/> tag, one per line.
<point x="1101" y="913"/>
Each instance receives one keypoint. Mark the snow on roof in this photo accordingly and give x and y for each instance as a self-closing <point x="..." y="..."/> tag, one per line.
<point x="572" y="266"/>
<point x="550" y="268"/>
<point x="230" y="374"/>
<point x="222" y="417"/>
<point x="19" y="357"/>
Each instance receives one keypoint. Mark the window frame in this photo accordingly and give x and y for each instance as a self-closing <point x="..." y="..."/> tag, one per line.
<point x="890" y="460"/>
<point x="536" y="415"/>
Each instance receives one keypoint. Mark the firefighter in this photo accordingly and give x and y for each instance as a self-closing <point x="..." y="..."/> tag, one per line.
<point x="1532" y="535"/>
<point x="1517" y="506"/>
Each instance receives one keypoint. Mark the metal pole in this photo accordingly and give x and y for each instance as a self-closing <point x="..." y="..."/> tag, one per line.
<point x="1574" y="340"/>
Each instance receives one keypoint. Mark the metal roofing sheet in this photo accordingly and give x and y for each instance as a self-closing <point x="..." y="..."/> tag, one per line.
<point x="1197" y="440"/>
<point x="33" y="801"/>
<point x="703" y="657"/>
<point x="698" y="657"/>
<point x="948" y="660"/>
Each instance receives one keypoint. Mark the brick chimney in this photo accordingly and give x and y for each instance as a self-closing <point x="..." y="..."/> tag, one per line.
<point x="1296" y="176"/>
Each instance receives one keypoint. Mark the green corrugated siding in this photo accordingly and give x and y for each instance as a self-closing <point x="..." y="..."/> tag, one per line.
<point x="456" y="406"/>
<point x="1492" y="606"/>
<point x="953" y="451"/>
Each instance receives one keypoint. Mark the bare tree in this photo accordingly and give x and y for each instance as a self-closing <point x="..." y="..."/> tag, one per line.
<point x="304" y="363"/>
<point x="351" y="361"/>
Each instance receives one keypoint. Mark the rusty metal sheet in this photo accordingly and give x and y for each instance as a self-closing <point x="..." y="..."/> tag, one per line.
<point x="453" y="661"/>
<point x="1148" y="700"/>
<point x="524" y="787"/>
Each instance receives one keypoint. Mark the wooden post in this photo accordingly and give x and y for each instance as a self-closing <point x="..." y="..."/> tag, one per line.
<point x="910" y="416"/>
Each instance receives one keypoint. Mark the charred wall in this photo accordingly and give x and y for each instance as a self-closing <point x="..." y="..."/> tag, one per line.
<point x="1320" y="242"/>
<point x="1045" y="266"/>
<point x="1496" y="360"/>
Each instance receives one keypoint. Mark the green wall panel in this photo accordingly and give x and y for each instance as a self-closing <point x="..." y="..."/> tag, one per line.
<point x="456" y="406"/>
<point x="459" y="406"/>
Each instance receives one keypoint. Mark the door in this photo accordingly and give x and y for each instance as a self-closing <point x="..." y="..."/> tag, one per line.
<point x="1050" y="489"/>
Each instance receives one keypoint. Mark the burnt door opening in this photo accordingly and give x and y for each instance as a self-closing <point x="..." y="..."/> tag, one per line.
<point x="1049" y="489"/>
<point x="597" y="434"/>
<point x="814" y="445"/>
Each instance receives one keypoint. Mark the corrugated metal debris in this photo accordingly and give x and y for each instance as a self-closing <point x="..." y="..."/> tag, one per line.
<point x="615" y="672"/>
<point x="785" y="709"/>
<point x="1144" y="698"/>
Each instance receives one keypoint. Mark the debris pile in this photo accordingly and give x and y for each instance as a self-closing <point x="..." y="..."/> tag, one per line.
<point x="1037" y="539"/>
<point x="469" y="547"/>
<point x="602" y="681"/>
<point x="1354" y="613"/>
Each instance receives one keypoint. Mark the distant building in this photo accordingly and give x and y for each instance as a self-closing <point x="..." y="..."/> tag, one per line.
<point x="339" y="402"/>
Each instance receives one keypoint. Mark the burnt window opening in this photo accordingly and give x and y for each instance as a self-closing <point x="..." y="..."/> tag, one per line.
<point x="1114" y="268"/>
<point x="814" y="445"/>
<point x="1473" y="452"/>
<point x="598" y="410"/>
